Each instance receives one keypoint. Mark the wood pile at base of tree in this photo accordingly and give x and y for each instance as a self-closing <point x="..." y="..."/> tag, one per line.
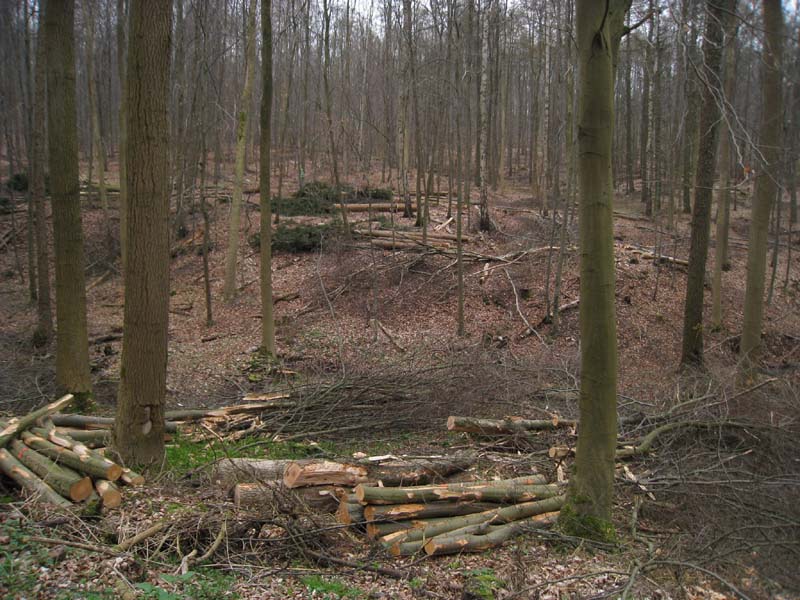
<point x="451" y="518"/>
<point x="54" y="468"/>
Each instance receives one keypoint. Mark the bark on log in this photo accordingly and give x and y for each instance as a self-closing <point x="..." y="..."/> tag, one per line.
<point x="409" y="235"/>
<point x="28" y="480"/>
<point x="14" y="426"/>
<point x="418" y="471"/>
<point x="499" y="515"/>
<point x="65" y="481"/>
<point x="432" y="510"/>
<point x="449" y="491"/>
<point x="375" y="207"/>
<point x="87" y="437"/>
<point x="506" y="426"/>
<point x="89" y="463"/>
<point x="260" y="403"/>
<point x="272" y="494"/>
<point x="92" y="422"/>
<point x="323" y="472"/>
<point x="484" y="536"/>
<point x="229" y="471"/>
<point x="396" y="472"/>
<point x="399" y="244"/>
<point x="108" y="493"/>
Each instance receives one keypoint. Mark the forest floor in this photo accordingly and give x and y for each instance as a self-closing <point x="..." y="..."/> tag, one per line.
<point x="691" y="517"/>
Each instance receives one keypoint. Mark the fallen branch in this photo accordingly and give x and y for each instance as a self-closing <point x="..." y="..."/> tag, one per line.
<point x="14" y="426"/>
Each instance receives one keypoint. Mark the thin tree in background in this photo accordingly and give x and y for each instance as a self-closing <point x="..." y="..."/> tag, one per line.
<point x="326" y="81"/>
<point x="44" y="311"/>
<point x="72" y="345"/>
<point x="122" y="16"/>
<point x="721" y="262"/>
<point x="600" y="26"/>
<point x="716" y="11"/>
<point x="484" y="220"/>
<point x="267" y="318"/>
<point x="767" y="187"/>
<point x="139" y="425"/>
<point x="242" y="119"/>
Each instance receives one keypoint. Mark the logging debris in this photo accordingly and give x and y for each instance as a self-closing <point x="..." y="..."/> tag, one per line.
<point x="53" y="468"/>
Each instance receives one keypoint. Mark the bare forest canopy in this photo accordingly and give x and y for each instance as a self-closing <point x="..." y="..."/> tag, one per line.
<point x="531" y="61"/>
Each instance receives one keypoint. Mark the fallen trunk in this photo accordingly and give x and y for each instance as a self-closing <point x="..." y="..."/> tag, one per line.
<point x="401" y="512"/>
<point x="476" y="490"/>
<point x="274" y="494"/>
<point x="396" y="472"/>
<point x="235" y="470"/>
<point x="88" y="422"/>
<point x="65" y="481"/>
<point x="506" y="426"/>
<point x="28" y="480"/>
<point x="376" y="207"/>
<point x="324" y="472"/>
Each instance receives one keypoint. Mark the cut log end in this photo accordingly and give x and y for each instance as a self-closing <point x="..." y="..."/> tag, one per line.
<point x="109" y="493"/>
<point x="81" y="489"/>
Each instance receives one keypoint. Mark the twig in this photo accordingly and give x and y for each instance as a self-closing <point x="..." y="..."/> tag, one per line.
<point x="141" y="536"/>
<point x="519" y="310"/>
<point x="80" y="545"/>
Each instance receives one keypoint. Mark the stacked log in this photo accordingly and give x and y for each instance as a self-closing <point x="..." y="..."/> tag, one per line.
<point x="56" y="469"/>
<point x="451" y="518"/>
<point x="324" y="485"/>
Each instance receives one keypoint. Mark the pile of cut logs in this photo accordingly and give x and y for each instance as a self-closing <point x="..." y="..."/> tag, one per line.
<point x="55" y="466"/>
<point x="393" y="499"/>
<point x="454" y="517"/>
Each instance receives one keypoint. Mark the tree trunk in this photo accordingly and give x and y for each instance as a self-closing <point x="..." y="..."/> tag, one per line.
<point x="767" y="183"/>
<point x="485" y="220"/>
<point x="94" y="125"/>
<point x="44" y="322"/>
<point x="242" y="119"/>
<point x="72" y="346"/>
<point x="122" y="157"/>
<point x="265" y="174"/>
<point x="704" y="186"/>
<point x="599" y="30"/>
<point x="723" y="204"/>
<point x="139" y="427"/>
